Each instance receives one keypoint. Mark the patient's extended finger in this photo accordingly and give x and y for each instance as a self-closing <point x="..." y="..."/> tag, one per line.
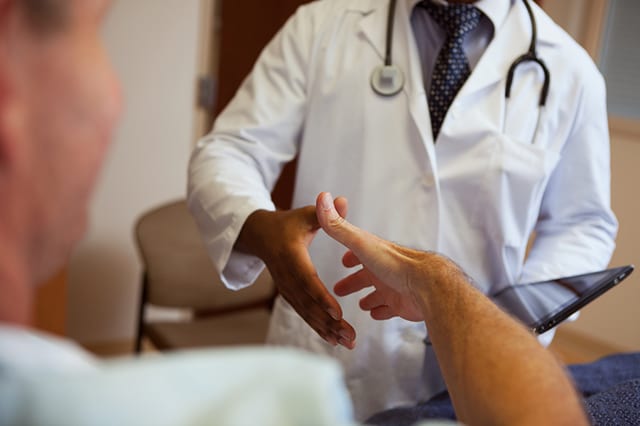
<point x="353" y="283"/>
<point x="372" y="300"/>
<point x="382" y="313"/>
<point x="350" y="260"/>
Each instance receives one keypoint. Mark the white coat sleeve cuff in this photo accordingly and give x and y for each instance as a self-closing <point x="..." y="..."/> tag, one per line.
<point x="237" y="270"/>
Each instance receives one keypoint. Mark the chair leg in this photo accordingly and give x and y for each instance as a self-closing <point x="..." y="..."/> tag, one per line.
<point x="143" y="301"/>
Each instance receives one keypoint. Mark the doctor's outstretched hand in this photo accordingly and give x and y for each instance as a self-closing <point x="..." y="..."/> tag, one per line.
<point x="281" y="239"/>
<point x="495" y="370"/>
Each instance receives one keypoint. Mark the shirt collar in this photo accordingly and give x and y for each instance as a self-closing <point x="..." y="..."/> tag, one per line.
<point x="495" y="10"/>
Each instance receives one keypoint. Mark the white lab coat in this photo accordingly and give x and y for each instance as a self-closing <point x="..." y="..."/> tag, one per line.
<point x="476" y="195"/>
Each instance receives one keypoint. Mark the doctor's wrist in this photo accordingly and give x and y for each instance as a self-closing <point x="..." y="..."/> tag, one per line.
<point x="253" y="238"/>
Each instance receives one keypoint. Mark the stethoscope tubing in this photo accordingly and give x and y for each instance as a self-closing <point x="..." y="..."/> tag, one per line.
<point x="530" y="56"/>
<point x="388" y="60"/>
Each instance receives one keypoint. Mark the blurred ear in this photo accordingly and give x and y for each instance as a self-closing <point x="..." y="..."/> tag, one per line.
<point x="7" y="19"/>
<point x="5" y="111"/>
<point x="9" y="110"/>
<point x="5" y="6"/>
<point x="11" y="131"/>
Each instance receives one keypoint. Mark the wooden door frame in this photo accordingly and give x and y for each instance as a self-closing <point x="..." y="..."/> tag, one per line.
<point x="50" y="305"/>
<point x="244" y="29"/>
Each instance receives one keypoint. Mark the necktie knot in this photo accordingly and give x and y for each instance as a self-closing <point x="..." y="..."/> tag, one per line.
<point x="456" y="19"/>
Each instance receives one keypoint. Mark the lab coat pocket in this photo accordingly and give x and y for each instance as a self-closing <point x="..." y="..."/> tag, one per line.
<point x="513" y="185"/>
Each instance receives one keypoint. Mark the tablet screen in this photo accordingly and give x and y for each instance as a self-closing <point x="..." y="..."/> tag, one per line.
<point x="542" y="305"/>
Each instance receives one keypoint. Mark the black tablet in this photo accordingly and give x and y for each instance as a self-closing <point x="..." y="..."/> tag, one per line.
<point x="545" y="304"/>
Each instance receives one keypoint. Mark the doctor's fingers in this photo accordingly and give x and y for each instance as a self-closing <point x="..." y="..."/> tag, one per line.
<point x="320" y="319"/>
<point x="309" y="284"/>
<point x="299" y="284"/>
<point x="304" y="294"/>
<point x="301" y="222"/>
<point x="332" y="330"/>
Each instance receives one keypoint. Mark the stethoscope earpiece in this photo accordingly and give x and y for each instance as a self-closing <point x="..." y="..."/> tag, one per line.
<point x="387" y="80"/>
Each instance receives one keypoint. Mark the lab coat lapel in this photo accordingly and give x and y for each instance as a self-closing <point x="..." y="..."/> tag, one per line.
<point x="373" y="25"/>
<point x="405" y="55"/>
<point x="510" y="42"/>
<point x="408" y="58"/>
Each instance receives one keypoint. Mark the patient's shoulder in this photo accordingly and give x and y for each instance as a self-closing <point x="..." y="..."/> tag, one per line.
<point x="23" y="350"/>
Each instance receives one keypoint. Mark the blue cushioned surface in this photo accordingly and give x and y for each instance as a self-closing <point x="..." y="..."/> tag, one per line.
<point x="618" y="405"/>
<point x="610" y="386"/>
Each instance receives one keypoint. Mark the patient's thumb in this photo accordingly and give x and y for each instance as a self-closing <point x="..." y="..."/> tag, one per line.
<point x="369" y="249"/>
<point x="332" y="223"/>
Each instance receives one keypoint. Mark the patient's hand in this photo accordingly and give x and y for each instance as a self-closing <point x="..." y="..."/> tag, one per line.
<point x="479" y="347"/>
<point x="392" y="270"/>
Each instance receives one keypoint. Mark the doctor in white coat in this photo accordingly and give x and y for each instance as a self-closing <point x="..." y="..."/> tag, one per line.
<point x="497" y="172"/>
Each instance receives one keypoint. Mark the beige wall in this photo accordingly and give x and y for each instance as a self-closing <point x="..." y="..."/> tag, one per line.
<point x="154" y="47"/>
<point x="157" y="47"/>
<point x="615" y="317"/>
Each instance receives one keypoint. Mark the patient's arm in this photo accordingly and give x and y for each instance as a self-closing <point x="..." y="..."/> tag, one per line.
<point x="496" y="371"/>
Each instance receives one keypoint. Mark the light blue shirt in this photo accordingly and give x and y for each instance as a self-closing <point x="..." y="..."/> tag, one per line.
<point x="48" y="381"/>
<point x="430" y="37"/>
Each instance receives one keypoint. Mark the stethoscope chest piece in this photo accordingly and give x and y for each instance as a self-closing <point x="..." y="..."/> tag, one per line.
<point x="387" y="80"/>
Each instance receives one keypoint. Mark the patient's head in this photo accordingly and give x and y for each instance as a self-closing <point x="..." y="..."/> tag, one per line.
<point x="59" y="100"/>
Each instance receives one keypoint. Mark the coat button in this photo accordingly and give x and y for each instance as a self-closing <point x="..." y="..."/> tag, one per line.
<point x="427" y="181"/>
<point x="453" y="114"/>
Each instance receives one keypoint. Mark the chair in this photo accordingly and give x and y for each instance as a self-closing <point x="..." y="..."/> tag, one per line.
<point x="177" y="273"/>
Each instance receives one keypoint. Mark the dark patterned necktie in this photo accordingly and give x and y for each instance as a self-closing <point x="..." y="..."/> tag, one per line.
<point x="452" y="66"/>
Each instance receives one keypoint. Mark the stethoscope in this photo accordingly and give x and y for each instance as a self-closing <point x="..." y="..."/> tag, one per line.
<point x="388" y="79"/>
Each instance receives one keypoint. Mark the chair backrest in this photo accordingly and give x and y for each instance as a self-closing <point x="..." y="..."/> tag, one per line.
<point x="178" y="270"/>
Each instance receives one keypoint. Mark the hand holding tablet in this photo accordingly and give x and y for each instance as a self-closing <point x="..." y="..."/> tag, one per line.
<point x="545" y="304"/>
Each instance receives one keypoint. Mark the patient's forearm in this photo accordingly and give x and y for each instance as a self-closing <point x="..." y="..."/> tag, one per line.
<point x="496" y="371"/>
